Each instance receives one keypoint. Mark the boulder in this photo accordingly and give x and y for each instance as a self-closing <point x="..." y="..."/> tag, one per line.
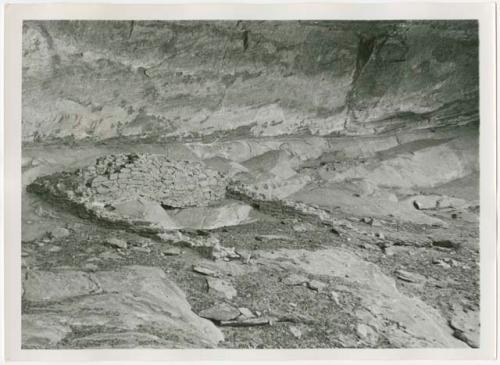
<point x="135" y="305"/>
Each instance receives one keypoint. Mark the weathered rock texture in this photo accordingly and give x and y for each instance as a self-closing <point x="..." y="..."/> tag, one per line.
<point x="408" y="322"/>
<point x="144" y="78"/>
<point x="143" y="308"/>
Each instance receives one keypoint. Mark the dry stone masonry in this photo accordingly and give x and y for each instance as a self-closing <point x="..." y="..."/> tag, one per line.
<point x="175" y="184"/>
<point x="117" y="186"/>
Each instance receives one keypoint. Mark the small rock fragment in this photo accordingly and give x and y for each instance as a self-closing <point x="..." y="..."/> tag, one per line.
<point x="171" y="251"/>
<point x="316" y="285"/>
<point x="59" y="233"/>
<point x="220" y="312"/>
<point x="335" y="297"/>
<point x="367" y="220"/>
<point x="425" y="202"/>
<point x="205" y="271"/>
<point x="221" y="287"/>
<point x="408" y="276"/>
<point x="295" y="331"/>
<point x="389" y="250"/>
<point x="294" y="280"/>
<point x="246" y="313"/>
<point x="116" y="242"/>
<point x="441" y="263"/>
<point x="140" y="242"/>
<point x="54" y="248"/>
<point x="245" y="256"/>
<point x="221" y="252"/>
<point x="141" y="249"/>
<point x="451" y="262"/>
<point x="91" y="267"/>
<point x="367" y="334"/>
<point x="303" y="227"/>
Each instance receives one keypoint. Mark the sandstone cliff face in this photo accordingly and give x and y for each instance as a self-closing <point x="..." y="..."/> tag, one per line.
<point x="99" y="80"/>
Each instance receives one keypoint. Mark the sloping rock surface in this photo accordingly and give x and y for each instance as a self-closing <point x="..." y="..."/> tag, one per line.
<point x="133" y="306"/>
<point x="251" y="78"/>
<point x="406" y="321"/>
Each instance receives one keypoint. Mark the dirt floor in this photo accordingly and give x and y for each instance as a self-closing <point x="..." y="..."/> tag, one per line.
<point x="431" y="268"/>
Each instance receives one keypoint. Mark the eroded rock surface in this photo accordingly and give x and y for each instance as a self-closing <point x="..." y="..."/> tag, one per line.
<point x="183" y="78"/>
<point x="404" y="321"/>
<point x="134" y="306"/>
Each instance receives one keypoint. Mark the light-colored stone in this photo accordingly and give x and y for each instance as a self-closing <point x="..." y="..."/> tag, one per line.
<point x="303" y="227"/>
<point x="335" y="297"/>
<point x="171" y="251"/>
<point x="442" y="263"/>
<point x="424" y="202"/>
<point x="116" y="242"/>
<point x="295" y="331"/>
<point x="221" y="288"/>
<point x="42" y="331"/>
<point x="316" y="285"/>
<point x="141" y="249"/>
<point x="220" y="312"/>
<point x="221" y="252"/>
<point x="229" y="213"/>
<point x="409" y="276"/>
<point x="367" y="334"/>
<point x="246" y="313"/>
<point x="54" y="248"/>
<point x="205" y="271"/>
<point x="60" y="232"/>
<point x="295" y="279"/>
<point x="41" y="286"/>
<point x="137" y="300"/>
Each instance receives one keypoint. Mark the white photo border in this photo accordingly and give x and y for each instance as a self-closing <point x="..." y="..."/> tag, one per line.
<point x="484" y="12"/>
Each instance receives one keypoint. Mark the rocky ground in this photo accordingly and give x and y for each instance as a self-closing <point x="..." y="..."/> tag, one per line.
<point x="321" y="249"/>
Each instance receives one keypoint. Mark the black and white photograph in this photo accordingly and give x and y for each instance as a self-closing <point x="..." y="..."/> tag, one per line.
<point x="250" y="184"/>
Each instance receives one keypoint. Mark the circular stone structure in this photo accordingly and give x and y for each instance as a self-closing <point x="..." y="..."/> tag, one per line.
<point x="173" y="184"/>
<point x="130" y="177"/>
